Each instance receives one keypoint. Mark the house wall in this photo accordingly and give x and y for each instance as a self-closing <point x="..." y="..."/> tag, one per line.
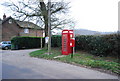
<point x="32" y="32"/>
<point x="12" y="30"/>
<point x="9" y="30"/>
<point x="39" y="33"/>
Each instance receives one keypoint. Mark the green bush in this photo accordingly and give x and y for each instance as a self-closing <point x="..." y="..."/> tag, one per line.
<point x="26" y="42"/>
<point x="114" y="41"/>
<point x="56" y="41"/>
<point x="103" y="45"/>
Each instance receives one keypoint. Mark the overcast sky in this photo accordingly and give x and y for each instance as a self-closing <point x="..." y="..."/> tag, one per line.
<point x="97" y="15"/>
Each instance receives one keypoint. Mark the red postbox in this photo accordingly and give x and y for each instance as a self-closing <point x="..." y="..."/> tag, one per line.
<point x="67" y="42"/>
<point x="72" y="42"/>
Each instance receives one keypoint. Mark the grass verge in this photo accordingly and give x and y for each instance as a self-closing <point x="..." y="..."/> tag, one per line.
<point x="81" y="58"/>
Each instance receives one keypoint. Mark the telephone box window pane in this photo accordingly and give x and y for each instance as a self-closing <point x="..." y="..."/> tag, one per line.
<point x="64" y="42"/>
<point x="65" y="32"/>
<point x="71" y="36"/>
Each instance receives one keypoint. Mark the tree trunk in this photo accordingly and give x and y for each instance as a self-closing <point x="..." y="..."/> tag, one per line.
<point x="46" y="32"/>
<point x="44" y="12"/>
<point x="46" y="27"/>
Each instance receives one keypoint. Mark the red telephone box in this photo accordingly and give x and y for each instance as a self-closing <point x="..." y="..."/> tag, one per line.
<point x="67" y="42"/>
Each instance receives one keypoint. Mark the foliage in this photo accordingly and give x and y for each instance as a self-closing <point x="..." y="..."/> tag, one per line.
<point x="56" y="41"/>
<point x="27" y="42"/>
<point x="38" y="11"/>
<point x="103" y="45"/>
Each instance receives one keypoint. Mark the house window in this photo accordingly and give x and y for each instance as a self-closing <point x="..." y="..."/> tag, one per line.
<point x="10" y="21"/>
<point x="26" y="30"/>
<point x="28" y="25"/>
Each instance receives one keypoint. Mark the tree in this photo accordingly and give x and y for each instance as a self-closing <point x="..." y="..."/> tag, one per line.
<point x="37" y="11"/>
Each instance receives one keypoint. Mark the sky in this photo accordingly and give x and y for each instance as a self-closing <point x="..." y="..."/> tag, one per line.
<point x="96" y="15"/>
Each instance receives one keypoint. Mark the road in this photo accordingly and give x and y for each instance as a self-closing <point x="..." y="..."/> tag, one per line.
<point x="17" y="64"/>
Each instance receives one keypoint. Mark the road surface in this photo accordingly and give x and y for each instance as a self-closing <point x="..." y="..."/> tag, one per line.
<point x="17" y="64"/>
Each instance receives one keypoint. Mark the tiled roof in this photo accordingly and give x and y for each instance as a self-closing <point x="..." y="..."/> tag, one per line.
<point x="6" y="19"/>
<point x="23" y="24"/>
<point x="26" y="24"/>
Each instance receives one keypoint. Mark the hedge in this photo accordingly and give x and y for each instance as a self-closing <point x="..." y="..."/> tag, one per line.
<point x="56" y="41"/>
<point x="102" y="45"/>
<point x="26" y="42"/>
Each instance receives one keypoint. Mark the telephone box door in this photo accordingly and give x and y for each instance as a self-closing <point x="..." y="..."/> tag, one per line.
<point x="65" y="42"/>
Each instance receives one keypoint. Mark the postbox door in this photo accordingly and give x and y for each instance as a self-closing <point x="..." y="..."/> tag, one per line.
<point x="72" y="42"/>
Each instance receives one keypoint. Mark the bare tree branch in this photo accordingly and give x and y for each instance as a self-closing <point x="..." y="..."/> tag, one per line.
<point x="38" y="11"/>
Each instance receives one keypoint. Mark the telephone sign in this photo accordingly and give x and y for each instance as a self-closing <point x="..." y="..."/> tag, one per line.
<point x="67" y="41"/>
<point x="46" y="39"/>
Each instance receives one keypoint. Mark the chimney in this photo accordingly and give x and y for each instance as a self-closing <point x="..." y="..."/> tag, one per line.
<point x="4" y="16"/>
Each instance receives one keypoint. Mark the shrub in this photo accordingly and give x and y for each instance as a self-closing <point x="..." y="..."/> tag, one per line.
<point x="56" y="41"/>
<point x="27" y="42"/>
<point x="103" y="45"/>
